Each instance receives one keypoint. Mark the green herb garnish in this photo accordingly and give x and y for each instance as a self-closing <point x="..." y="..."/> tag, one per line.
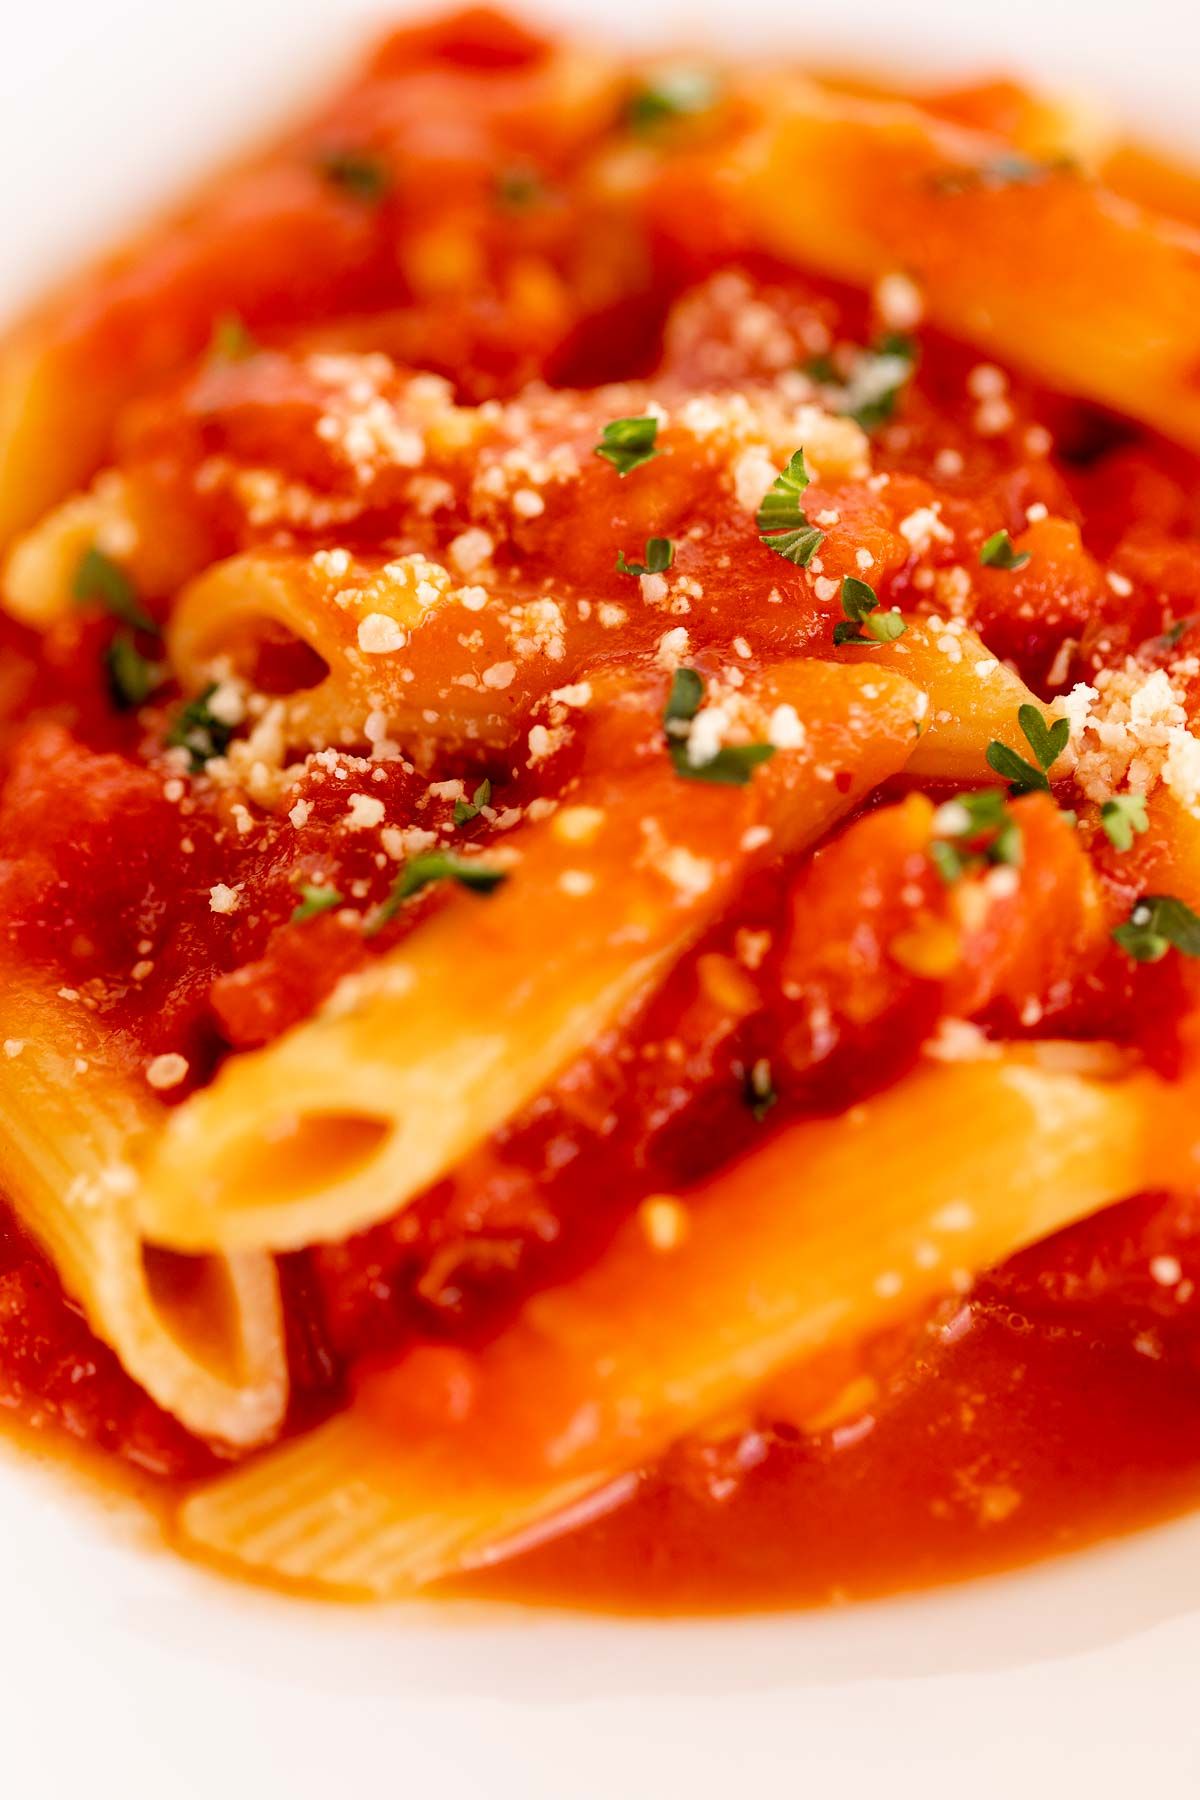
<point x="98" y="579"/>
<point x="519" y="187"/>
<point x="758" y="1089"/>
<point x="863" y="622"/>
<point x="782" y="524"/>
<point x="1047" y="741"/>
<point x="363" y="176"/>
<point x="660" y="554"/>
<point x="678" y="93"/>
<point x="465" y="810"/>
<point x="732" y="766"/>
<point x="998" y="553"/>
<point x="628" y="443"/>
<point x="198" y="731"/>
<point x="876" y="381"/>
<point x="974" y="831"/>
<point x="132" y="677"/>
<point x="1122" y="816"/>
<point x="436" y="865"/>
<point x="231" y="339"/>
<point x="1157" y="923"/>
<point x="315" y="900"/>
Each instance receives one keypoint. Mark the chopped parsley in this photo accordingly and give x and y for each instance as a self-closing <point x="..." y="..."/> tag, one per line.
<point x="132" y="677"/>
<point x="973" y="832"/>
<point x="519" y="187"/>
<point x="677" y="93"/>
<point x="363" y="176"/>
<point x="1047" y="741"/>
<point x="231" y="339"/>
<point x="732" y="765"/>
<point x="315" y="900"/>
<point x="466" y="810"/>
<point x="998" y="553"/>
<point x="198" y="731"/>
<point x="1122" y="816"/>
<point x="782" y="525"/>
<point x="1158" y="923"/>
<point x="1170" y="638"/>
<point x="758" y="1089"/>
<point x="100" y="580"/>
<point x="628" y="443"/>
<point x="422" y="871"/>
<point x="863" y="622"/>
<point x="871" y="391"/>
<point x="660" y="554"/>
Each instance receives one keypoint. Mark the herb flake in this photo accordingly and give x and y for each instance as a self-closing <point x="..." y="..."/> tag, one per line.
<point x="628" y="443"/>
<point x="358" y="173"/>
<point x="100" y="581"/>
<point x="732" y="765"/>
<point x="1121" y="817"/>
<point x="466" y="810"/>
<point x="1046" y="740"/>
<point x="132" y="677"/>
<point x="1156" y="924"/>
<point x="435" y="865"/>
<point x="998" y="553"/>
<point x="198" y="730"/>
<point x="676" y="93"/>
<point x="782" y="524"/>
<point x="315" y="900"/>
<point x="660" y="554"/>
<point x="863" y="622"/>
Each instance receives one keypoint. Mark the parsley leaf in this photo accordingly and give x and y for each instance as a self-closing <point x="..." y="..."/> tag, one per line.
<point x="731" y="766"/>
<point x="519" y="187"/>
<point x="974" y="831"/>
<point x="863" y="622"/>
<point x="1172" y="635"/>
<point x="1156" y="923"/>
<point x="1047" y="743"/>
<point x="363" y="176"/>
<point x="684" y="700"/>
<point x="677" y="93"/>
<point x="231" y="339"/>
<point x="758" y="1089"/>
<point x="98" y="578"/>
<point x="315" y="900"/>
<point x="998" y="553"/>
<point x="132" y="677"/>
<point x="465" y="810"/>
<point x="1122" y="816"/>
<point x="660" y="554"/>
<point x="782" y="525"/>
<point x="877" y="380"/>
<point x="628" y="443"/>
<point x="199" y="731"/>
<point x="436" y="865"/>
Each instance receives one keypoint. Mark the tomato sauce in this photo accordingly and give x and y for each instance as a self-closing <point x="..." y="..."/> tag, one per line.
<point x="1056" y="1403"/>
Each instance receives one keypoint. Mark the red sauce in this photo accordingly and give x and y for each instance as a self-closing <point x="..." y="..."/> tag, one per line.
<point x="1062" y="1400"/>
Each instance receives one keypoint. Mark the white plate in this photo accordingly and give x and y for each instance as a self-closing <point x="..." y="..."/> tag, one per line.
<point x="122" y="1666"/>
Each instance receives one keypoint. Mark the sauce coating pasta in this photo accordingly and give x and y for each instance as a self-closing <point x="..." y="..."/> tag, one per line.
<point x="599" y="836"/>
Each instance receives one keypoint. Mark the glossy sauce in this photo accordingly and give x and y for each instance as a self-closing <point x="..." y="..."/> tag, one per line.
<point x="1059" y="1402"/>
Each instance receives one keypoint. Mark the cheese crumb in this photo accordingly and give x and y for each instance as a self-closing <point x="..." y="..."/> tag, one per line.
<point x="379" y="635"/>
<point x="167" y="1070"/>
<point x="364" y="812"/>
<point x="223" y="899"/>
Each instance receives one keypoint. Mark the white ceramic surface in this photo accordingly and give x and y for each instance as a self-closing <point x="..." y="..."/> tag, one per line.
<point x="124" y="1669"/>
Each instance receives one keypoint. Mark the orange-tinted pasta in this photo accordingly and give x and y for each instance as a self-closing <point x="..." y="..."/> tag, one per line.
<point x="598" y="841"/>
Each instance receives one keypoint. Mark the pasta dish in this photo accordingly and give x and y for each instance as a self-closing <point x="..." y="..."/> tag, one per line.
<point x="600" y="836"/>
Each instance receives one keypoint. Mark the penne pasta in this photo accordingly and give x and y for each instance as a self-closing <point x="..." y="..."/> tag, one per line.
<point x="203" y="1336"/>
<point x="831" y="1231"/>
<point x="343" y="1120"/>
<point x="1079" y="287"/>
